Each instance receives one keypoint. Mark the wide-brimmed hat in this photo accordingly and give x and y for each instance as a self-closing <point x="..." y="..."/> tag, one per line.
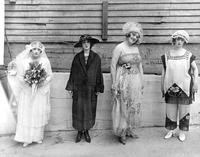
<point x="85" y="37"/>
<point x="181" y="34"/>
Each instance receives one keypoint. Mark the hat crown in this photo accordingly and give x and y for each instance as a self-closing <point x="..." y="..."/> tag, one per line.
<point x="182" y="34"/>
<point x="85" y="37"/>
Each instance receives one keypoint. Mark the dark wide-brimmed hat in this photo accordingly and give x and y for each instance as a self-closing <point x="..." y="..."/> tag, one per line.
<point x="84" y="38"/>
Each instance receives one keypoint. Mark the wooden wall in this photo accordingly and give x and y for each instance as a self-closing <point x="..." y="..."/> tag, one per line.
<point x="59" y="23"/>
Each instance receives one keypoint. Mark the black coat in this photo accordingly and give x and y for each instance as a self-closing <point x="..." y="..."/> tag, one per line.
<point x="85" y="81"/>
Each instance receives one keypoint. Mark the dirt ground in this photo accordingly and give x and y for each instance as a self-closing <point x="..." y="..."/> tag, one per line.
<point x="104" y="144"/>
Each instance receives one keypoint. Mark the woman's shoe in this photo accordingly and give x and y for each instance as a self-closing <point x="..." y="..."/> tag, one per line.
<point x="169" y="134"/>
<point x="87" y="136"/>
<point x="25" y="144"/>
<point x="181" y="137"/>
<point x="122" y="139"/>
<point x="39" y="142"/>
<point x="132" y="134"/>
<point x="79" y="136"/>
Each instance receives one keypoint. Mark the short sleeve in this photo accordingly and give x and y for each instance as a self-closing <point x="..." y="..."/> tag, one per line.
<point x="192" y="58"/>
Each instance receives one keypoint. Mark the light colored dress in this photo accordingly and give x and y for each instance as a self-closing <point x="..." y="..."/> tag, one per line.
<point x="33" y="109"/>
<point x="127" y="82"/>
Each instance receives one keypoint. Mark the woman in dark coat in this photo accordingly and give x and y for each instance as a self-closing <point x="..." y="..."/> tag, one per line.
<point x="85" y="83"/>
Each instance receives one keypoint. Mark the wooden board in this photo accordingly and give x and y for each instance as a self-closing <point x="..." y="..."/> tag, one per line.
<point x="100" y="1"/>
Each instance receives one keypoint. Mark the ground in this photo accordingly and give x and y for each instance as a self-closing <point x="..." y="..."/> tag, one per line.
<point x="104" y="144"/>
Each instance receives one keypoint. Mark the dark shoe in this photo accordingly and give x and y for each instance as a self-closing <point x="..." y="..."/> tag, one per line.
<point x="87" y="136"/>
<point x="79" y="136"/>
<point x="133" y="135"/>
<point x="122" y="140"/>
<point x="130" y="133"/>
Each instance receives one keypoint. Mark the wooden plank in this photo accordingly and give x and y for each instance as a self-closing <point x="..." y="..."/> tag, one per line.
<point x="153" y="1"/>
<point x="53" y="14"/>
<point x="146" y="26"/>
<point x="53" y="32"/>
<point x="99" y="1"/>
<point x="156" y="19"/>
<point x="52" y="26"/>
<point x="119" y="13"/>
<point x="55" y="2"/>
<point x="60" y="20"/>
<point x="161" y="26"/>
<point x="111" y="20"/>
<point x="122" y="13"/>
<point x="77" y="6"/>
<point x="155" y="32"/>
<point x="170" y="6"/>
<point x="53" y="7"/>
<point x="61" y="26"/>
<point x="54" y="39"/>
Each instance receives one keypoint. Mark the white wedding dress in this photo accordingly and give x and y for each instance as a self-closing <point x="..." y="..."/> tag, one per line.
<point x="7" y="120"/>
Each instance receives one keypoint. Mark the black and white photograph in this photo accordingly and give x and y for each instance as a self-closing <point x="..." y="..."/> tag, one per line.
<point x="99" y="78"/>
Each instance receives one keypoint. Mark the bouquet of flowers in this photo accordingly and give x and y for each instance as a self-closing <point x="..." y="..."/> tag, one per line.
<point x="35" y="75"/>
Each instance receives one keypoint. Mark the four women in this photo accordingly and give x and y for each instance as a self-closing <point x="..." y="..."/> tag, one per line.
<point x="179" y="82"/>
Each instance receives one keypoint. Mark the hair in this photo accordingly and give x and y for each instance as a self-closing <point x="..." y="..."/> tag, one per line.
<point x="133" y="27"/>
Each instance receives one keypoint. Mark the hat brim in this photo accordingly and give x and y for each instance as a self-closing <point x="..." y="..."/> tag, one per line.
<point x="91" y="40"/>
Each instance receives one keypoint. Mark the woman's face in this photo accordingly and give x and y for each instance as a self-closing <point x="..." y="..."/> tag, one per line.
<point x="179" y="42"/>
<point x="35" y="53"/>
<point x="86" y="45"/>
<point x="132" y="37"/>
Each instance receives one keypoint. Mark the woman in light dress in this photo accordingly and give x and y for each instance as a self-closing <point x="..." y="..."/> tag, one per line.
<point x="127" y="74"/>
<point x="33" y="105"/>
<point x="178" y="85"/>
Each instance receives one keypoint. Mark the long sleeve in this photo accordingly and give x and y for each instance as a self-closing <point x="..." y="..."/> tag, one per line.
<point x="70" y="83"/>
<point x="47" y="67"/>
<point x="100" y="84"/>
<point x="115" y="57"/>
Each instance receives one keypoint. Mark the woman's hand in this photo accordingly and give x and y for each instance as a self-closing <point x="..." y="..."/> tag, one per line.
<point x="70" y="93"/>
<point x="195" y="87"/>
<point x="113" y="89"/>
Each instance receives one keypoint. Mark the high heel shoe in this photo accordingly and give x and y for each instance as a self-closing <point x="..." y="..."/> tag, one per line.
<point x="181" y="137"/>
<point x="25" y="144"/>
<point x="132" y="134"/>
<point x="122" y="139"/>
<point x="39" y="142"/>
<point x="170" y="134"/>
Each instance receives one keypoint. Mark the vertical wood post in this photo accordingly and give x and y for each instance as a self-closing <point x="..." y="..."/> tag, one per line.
<point x="104" y="20"/>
